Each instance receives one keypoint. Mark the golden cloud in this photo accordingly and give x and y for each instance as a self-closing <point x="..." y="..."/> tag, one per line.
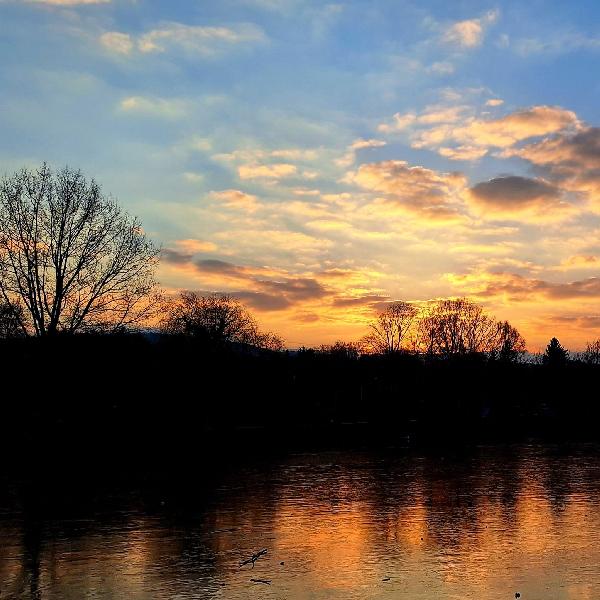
<point x="579" y="261"/>
<point x="423" y="192"/>
<point x="502" y="132"/>
<point x="463" y="152"/>
<point x="274" y="171"/>
<point x="517" y="288"/>
<point x="236" y="199"/>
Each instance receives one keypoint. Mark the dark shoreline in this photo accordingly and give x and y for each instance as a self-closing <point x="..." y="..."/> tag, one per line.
<point x="114" y="399"/>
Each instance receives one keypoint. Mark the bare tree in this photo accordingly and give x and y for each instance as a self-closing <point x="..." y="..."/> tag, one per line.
<point x="459" y="326"/>
<point x="73" y="258"/>
<point x="509" y="344"/>
<point x="591" y="354"/>
<point x="218" y="318"/>
<point x="390" y="329"/>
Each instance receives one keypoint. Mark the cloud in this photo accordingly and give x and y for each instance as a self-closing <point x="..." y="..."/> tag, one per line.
<point x="431" y="115"/>
<point x="463" y="152"/>
<point x="274" y="171"/>
<point x="502" y="132"/>
<point x="360" y="144"/>
<point x="154" y="107"/>
<point x="572" y="160"/>
<point x="494" y="102"/>
<point x="372" y="301"/>
<point x="581" y="149"/>
<point x="349" y="157"/>
<point x="264" y="293"/>
<point x="194" y="40"/>
<point x="469" y="33"/>
<point x="556" y="43"/>
<point x="194" y="246"/>
<point x="521" y="198"/>
<point x="175" y="257"/>
<point x="417" y="190"/>
<point x="441" y="68"/>
<point x="68" y="2"/>
<point x="517" y="288"/>
<point x="399" y="122"/>
<point x="579" y="261"/>
<point x="236" y="199"/>
<point x="119" y="43"/>
<point x="261" y="301"/>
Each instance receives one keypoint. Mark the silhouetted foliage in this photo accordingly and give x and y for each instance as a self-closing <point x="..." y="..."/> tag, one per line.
<point x="216" y="319"/>
<point x="12" y="320"/>
<point x="341" y="350"/>
<point x="509" y="344"/>
<point x="190" y="395"/>
<point x="555" y="355"/>
<point x="591" y="354"/>
<point x="70" y="255"/>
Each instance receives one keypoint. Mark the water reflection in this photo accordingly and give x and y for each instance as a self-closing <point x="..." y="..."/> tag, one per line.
<point x="344" y="525"/>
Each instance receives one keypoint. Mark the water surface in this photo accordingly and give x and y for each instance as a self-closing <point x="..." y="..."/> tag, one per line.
<point x="336" y="525"/>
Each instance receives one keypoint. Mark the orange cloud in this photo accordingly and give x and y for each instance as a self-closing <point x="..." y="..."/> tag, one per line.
<point x="517" y="288"/>
<point x="236" y="199"/>
<point x="579" y="261"/>
<point x="570" y="159"/>
<point x="502" y="132"/>
<point x="469" y="33"/>
<point x="195" y="246"/>
<point x="417" y="190"/>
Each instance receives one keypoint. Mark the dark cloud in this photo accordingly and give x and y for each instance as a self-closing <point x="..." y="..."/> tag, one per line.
<point x="581" y="321"/>
<point x="175" y="257"/>
<point x="366" y="300"/>
<point x="302" y="288"/>
<point x="219" y="267"/>
<point x="514" y="192"/>
<point x="261" y="301"/>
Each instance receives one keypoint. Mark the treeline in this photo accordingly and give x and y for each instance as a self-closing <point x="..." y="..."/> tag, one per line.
<point x="168" y="397"/>
<point x="81" y="375"/>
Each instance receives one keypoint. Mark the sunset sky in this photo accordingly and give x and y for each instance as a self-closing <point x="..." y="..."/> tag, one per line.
<point x="318" y="160"/>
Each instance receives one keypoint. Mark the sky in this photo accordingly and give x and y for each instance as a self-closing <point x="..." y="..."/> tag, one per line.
<point x="319" y="160"/>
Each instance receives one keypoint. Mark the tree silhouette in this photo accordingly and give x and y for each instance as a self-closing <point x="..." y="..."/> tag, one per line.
<point x="390" y="329"/>
<point x="70" y="255"/>
<point x="216" y="319"/>
<point x="591" y="354"/>
<point x="555" y="355"/>
<point x="456" y="327"/>
<point x="509" y="343"/>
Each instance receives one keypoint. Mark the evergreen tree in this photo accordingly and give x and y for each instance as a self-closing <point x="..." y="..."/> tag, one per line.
<point x="555" y="355"/>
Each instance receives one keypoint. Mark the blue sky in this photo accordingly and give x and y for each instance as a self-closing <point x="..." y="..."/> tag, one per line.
<point x="320" y="159"/>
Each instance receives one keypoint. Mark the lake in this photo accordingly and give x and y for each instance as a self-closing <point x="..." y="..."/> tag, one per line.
<point x="482" y="524"/>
